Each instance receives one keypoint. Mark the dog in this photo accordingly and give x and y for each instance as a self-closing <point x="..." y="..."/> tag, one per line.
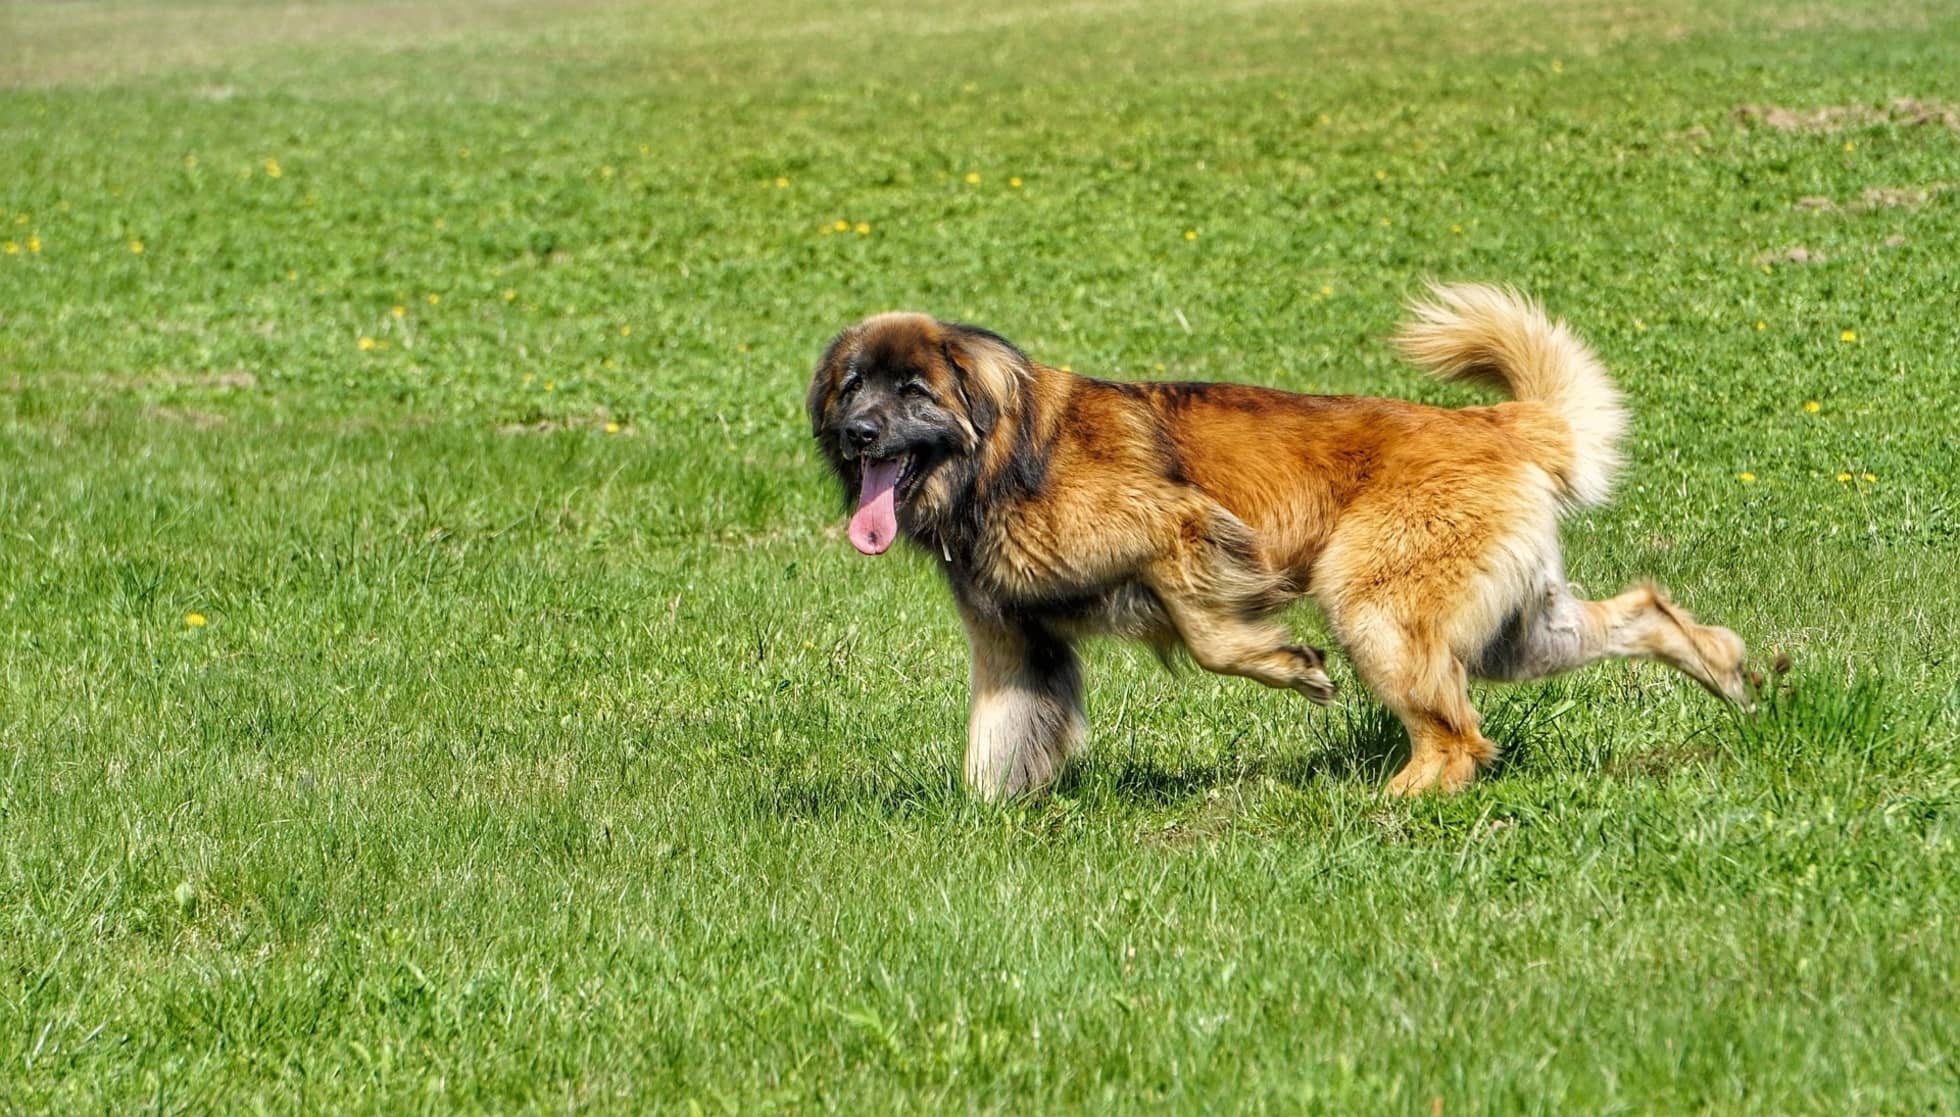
<point x="1187" y="515"/>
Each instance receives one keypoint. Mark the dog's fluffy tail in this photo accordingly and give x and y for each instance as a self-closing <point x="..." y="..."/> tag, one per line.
<point x="1494" y="336"/>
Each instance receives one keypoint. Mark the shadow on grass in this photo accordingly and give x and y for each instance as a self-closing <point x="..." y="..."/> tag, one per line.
<point x="1358" y="742"/>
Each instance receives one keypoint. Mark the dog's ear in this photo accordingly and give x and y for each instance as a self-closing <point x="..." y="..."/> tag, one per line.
<point x="823" y="385"/>
<point x="988" y="371"/>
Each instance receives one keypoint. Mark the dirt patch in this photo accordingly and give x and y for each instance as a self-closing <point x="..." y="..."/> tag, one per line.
<point x="1795" y="254"/>
<point x="1906" y="110"/>
<point x="1892" y="197"/>
<point x="368" y="424"/>
<point x="188" y="416"/>
<point x="89" y="43"/>
<point x="1877" y="197"/>
<point x="1831" y="118"/>
<point x="598" y="421"/>
<point x="1900" y="111"/>
<point x="235" y="380"/>
<point x="1799" y="255"/>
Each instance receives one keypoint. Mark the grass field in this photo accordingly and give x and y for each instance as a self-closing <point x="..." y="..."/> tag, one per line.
<point x="434" y="678"/>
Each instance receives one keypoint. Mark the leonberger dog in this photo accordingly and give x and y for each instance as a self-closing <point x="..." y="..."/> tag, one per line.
<point x="1187" y="515"/>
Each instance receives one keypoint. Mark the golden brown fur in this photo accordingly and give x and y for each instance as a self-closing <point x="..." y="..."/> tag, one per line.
<point x="1187" y="515"/>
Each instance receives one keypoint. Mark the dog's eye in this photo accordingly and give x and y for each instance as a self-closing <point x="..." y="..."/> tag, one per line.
<point x="917" y="388"/>
<point x="849" y="385"/>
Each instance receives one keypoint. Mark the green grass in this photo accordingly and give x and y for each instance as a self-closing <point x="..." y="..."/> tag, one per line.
<point x="525" y="766"/>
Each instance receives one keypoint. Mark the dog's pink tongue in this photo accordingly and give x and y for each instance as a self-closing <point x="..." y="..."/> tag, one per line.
<point x="876" y="523"/>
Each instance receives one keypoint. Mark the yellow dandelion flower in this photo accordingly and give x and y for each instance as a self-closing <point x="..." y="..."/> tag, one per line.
<point x="626" y="331"/>
<point x="841" y="225"/>
<point x="1812" y="406"/>
<point x="609" y="363"/>
<point x="1747" y="477"/>
<point x="1869" y="477"/>
<point x="741" y="347"/>
<point x="398" y="310"/>
<point x="1850" y="146"/>
<point x="510" y="294"/>
<point x="365" y="343"/>
<point x="1326" y="290"/>
<point x="1456" y="230"/>
<point x="190" y="162"/>
<point x="1761" y="325"/>
<point x="612" y="428"/>
<point x="1558" y="67"/>
<point x="973" y="178"/>
<point x="1381" y="176"/>
<point x="606" y="171"/>
<point x="646" y="149"/>
<point x="1190" y="234"/>
<point x="434" y="298"/>
<point x="1844" y="478"/>
<point x="34" y="244"/>
<point x="550" y="386"/>
<point x="1639" y="325"/>
<point x="272" y="168"/>
<point x="782" y="183"/>
<point x="291" y="275"/>
<point x="1326" y="119"/>
<point x="10" y="248"/>
<point x="864" y="228"/>
<point x="1766" y="269"/>
<point x="1386" y="222"/>
<point x="1848" y="335"/>
<point x="136" y="246"/>
<point x="194" y="620"/>
<point x="1015" y="182"/>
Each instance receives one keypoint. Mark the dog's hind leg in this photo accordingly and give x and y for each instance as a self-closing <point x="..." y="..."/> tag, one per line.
<point x="1562" y="632"/>
<point x="1416" y="675"/>
<point x="1026" y="719"/>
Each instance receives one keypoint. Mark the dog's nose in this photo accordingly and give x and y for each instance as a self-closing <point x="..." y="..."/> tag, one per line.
<point x="861" y="433"/>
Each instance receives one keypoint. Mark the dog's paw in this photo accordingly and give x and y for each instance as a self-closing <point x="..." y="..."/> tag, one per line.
<point x="1439" y="772"/>
<point x="1309" y="676"/>
<point x="1722" y="656"/>
<point x="1318" y="688"/>
<point x="1418" y="776"/>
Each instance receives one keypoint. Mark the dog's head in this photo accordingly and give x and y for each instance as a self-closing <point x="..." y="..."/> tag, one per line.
<point x="902" y="406"/>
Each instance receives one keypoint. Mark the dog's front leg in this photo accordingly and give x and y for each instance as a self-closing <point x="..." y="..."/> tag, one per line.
<point x="1027" y="717"/>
